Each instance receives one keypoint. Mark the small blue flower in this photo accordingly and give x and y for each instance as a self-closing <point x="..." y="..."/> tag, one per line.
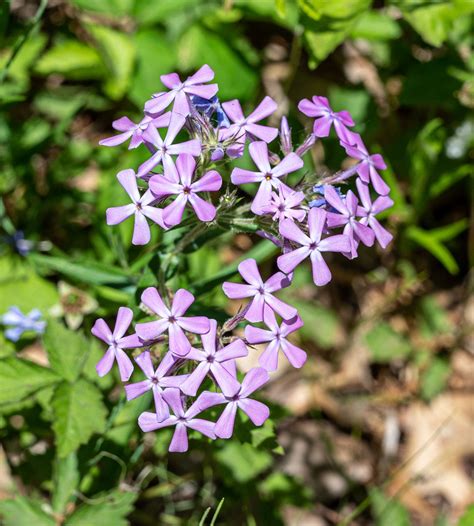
<point x="320" y="201"/>
<point x="20" y="244"/>
<point x="19" y="323"/>
<point x="209" y="107"/>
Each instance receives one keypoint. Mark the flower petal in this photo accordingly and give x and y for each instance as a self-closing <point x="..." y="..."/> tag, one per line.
<point x="182" y="300"/>
<point x="228" y="383"/>
<point x="253" y="380"/>
<point x="179" y="442"/>
<point x="178" y="343"/>
<point x="255" y="410"/>
<point x="146" y="365"/>
<point x="191" y="385"/>
<point x="259" y="152"/>
<point x="106" y="362"/>
<point x="100" y="330"/>
<point x="225" y="425"/>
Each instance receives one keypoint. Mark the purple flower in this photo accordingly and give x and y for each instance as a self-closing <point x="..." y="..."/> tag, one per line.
<point x="214" y="360"/>
<point x="18" y="323"/>
<point x="180" y="91"/>
<point x="116" y="342"/>
<point x="165" y="147"/>
<point x="277" y="340"/>
<point x="156" y="381"/>
<point x="141" y="207"/>
<point x="178" y="181"/>
<point x="268" y="177"/>
<point x="182" y="420"/>
<point x="133" y="131"/>
<point x="285" y="136"/>
<point x="260" y="292"/>
<point x="311" y="246"/>
<point x="283" y="205"/>
<point x="369" y="210"/>
<point x="326" y="117"/>
<point x="171" y="320"/>
<point x="255" y="410"/>
<point x="243" y="126"/>
<point x="368" y="165"/>
<point x="346" y="216"/>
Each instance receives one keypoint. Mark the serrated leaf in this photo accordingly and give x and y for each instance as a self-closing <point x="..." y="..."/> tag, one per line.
<point x="67" y="350"/>
<point x="65" y="481"/>
<point x="111" y="510"/>
<point x="23" y="511"/>
<point x="79" y="413"/>
<point x="20" y="378"/>
<point x="385" y="344"/>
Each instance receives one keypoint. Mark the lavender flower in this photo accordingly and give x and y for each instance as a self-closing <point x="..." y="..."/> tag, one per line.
<point x="19" y="323"/>
<point x="141" y="207"/>
<point x="182" y="420"/>
<point x="268" y="177"/>
<point x="260" y="292"/>
<point x="311" y="246"/>
<point x="117" y="342"/>
<point x="276" y="338"/>
<point x="284" y="204"/>
<point x="178" y="181"/>
<point x="171" y="320"/>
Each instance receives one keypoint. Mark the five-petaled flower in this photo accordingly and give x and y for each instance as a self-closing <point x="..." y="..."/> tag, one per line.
<point x="286" y="204"/>
<point x="19" y="323"/>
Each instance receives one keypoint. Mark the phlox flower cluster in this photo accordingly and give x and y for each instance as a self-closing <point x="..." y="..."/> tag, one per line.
<point x="188" y="362"/>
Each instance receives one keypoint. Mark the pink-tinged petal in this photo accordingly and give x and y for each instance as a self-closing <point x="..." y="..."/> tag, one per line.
<point x="117" y="214"/>
<point x="308" y="108"/>
<point x="287" y="312"/>
<point x="173" y="213"/>
<point x="364" y="233"/>
<point x="248" y="269"/>
<point x="345" y="117"/>
<point x="236" y="290"/>
<point x="148" y="422"/>
<point x="131" y="341"/>
<point x="264" y="109"/>
<point x="378" y="161"/>
<point x="182" y="300"/>
<point x="169" y="168"/>
<point x="204" y="210"/>
<point x="339" y="243"/>
<point x="289" y="230"/>
<point x="341" y="131"/>
<point x="141" y="230"/>
<point x="194" y="324"/>
<point x="178" y="342"/>
<point x="206" y="92"/>
<point x="289" y="164"/>
<point x="262" y="198"/>
<point x="207" y="400"/>
<point x="116" y="139"/>
<point x="322" y="126"/>
<point x="380" y="186"/>
<point x="233" y="110"/>
<point x="203" y="74"/>
<point x="155" y="214"/>
<point x="235" y="349"/>
<point x="197" y="354"/>
<point x="128" y="181"/>
<point x="209" y="182"/>
<point x="383" y="236"/>
<point x="173" y="398"/>
<point x="159" y="103"/>
<point x="289" y="261"/>
<point x="171" y="80"/>
<point x="269" y="357"/>
<point x="166" y="364"/>
<point x="152" y="299"/>
<point x="162" y="186"/>
<point x="122" y="323"/>
<point x="276" y="282"/>
<point x="185" y="164"/>
<point x="125" y="365"/>
<point x="230" y="367"/>
<point x="270" y="320"/>
<point x="228" y="383"/>
<point x="137" y="389"/>
<point x="225" y="425"/>
<point x="333" y="198"/>
<point x="151" y="330"/>
<point x="123" y="124"/>
<point x="104" y="365"/>
<point x="202" y="426"/>
<point x="381" y="204"/>
<point x="148" y="166"/>
<point x="259" y="152"/>
<point x="364" y="193"/>
<point x="162" y="121"/>
<point x="173" y="381"/>
<point x="191" y="385"/>
<point x="176" y="124"/>
<point x="287" y="327"/>
<point x="101" y="330"/>
<point x="181" y="104"/>
<point x="146" y="365"/>
<point x="209" y="339"/>
<point x="161" y="407"/>
<point x="351" y="202"/>
<point x="336" y="220"/>
<point x="264" y="133"/>
<point x="240" y="176"/>
<point x="179" y="442"/>
<point x="363" y="169"/>
<point x="254" y="313"/>
<point x="135" y="141"/>
<point x="321" y="273"/>
<point x="316" y="223"/>
<point x="296" y="356"/>
<point x="255" y="410"/>
<point x="253" y="380"/>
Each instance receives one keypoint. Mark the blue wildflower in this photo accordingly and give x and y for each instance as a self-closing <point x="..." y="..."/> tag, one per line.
<point x="209" y="107"/>
<point x="19" y="323"/>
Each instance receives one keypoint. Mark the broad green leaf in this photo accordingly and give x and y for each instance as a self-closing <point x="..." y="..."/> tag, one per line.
<point x="434" y="318"/>
<point x="321" y="325"/>
<point x="333" y="8"/>
<point x="23" y="511"/>
<point x="375" y="25"/>
<point x="354" y="101"/>
<point x="243" y="460"/>
<point x="108" y="7"/>
<point x="73" y="59"/>
<point x="118" y="53"/>
<point x="385" y="344"/>
<point x="79" y="413"/>
<point x="468" y="517"/>
<point x="321" y="44"/>
<point x="108" y="510"/>
<point x="148" y="13"/>
<point x="67" y="350"/>
<point x="25" y="58"/>
<point x="388" y="511"/>
<point x="65" y="481"/>
<point x="20" y="378"/>
<point x="434" y="378"/>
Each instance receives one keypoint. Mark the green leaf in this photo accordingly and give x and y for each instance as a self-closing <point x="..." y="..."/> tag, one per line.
<point x="23" y="511"/>
<point x="468" y="517"/>
<point x="434" y="378"/>
<point x="448" y="232"/>
<point x="317" y="9"/>
<point x="25" y="58"/>
<point x="321" y="44"/>
<point x="385" y="344"/>
<point x="73" y="59"/>
<point x="118" y="53"/>
<point x="21" y="378"/>
<point x="354" y="101"/>
<point x="65" y="481"/>
<point x="67" y="350"/>
<point x="375" y="25"/>
<point x="110" y="510"/>
<point x="148" y="13"/>
<point x="243" y="460"/>
<point x="448" y="179"/>
<point x="79" y="413"/>
<point x="109" y="7"/>
<point x="388" y="511"/>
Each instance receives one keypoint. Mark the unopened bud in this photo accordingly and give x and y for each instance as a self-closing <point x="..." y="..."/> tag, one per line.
<point x="285" y="137"/>
<point x="308" y="143"/>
